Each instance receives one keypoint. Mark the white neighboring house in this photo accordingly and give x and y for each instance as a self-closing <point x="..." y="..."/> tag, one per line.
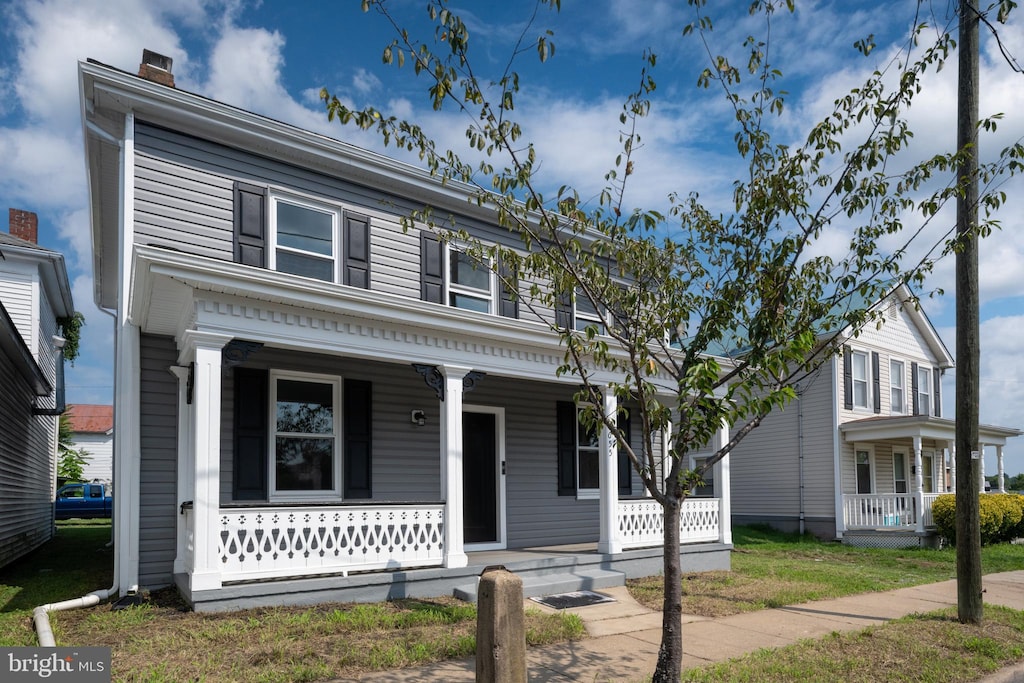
<point x="93" y="428"/>
<point x="864" y="449"/>
<point x="34" y="293"/>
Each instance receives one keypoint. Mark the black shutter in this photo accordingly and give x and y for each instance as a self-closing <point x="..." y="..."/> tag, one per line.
<point x="250" y="219"/>
<point x="563" y="312"/>
<point x="625" y="466"/>
<point x="508" y="283"/>
<point x="877" y="378"/>
<point x="847" y="378"/>
<point x="566" y="428"/>
<point x="937" y="375"/>
<point x="357" y="251"/>
<point x="913" y="388"/>
<point x="358" y="447"/>
<point x="431" y="268"/>
<point x="249" y="476"/>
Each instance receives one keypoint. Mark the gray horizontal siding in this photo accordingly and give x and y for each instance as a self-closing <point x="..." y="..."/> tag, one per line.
<point x="183" y="200"/>
<point x="158" y="456"/>
<point x="26" y="468"/>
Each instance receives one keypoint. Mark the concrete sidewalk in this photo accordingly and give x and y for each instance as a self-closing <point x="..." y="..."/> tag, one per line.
<point x="625" y="635"/>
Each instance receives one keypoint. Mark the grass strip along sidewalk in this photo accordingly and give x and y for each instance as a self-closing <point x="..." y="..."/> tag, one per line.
<point x="163" y="641"/>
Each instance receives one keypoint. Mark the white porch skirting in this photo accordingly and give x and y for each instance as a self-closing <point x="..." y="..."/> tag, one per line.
<point x="272" y="542"/>
<point x="641" y="522"/>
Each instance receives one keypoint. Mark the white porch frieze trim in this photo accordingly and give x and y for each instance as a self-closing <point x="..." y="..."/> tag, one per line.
<point x="273" y="542"/>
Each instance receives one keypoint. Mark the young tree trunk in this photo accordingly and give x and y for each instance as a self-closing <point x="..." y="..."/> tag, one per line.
<point x="670" y="654"/>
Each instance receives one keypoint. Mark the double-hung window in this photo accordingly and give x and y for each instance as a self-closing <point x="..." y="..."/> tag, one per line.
<point x="306" y="429"/>
<point x="861" y="387"/>
<point x="304" y="235"/>
<point x="707" y="490"/>
<point x="924" y="390"/>
<point x="897" y="389"/>
<point x="588" y="458"/>
<point x="470" y="282"/>
<point x="586" y="314"/>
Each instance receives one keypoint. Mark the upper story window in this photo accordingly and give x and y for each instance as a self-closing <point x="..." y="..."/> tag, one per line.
<point x="861" y="387"/>
<point x="305" y="424"/>
<point x="300" y="236"/>
<point x="924" y="390"/>
<point x="897" y="388"/>
<point x="304" y="237"/>
<point x="470" y="283"/>
<point x="586" y="314"/>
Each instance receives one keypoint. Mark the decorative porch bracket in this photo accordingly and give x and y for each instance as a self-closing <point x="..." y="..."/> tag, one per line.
<point x="435" y="380"/>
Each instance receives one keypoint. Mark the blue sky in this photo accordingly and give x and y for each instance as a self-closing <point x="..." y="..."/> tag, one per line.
<point x="273" y="57"/>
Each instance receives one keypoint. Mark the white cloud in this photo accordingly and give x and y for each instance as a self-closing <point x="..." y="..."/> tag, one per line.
<point x="40" y="169"/>
<point x="365" y="82"/>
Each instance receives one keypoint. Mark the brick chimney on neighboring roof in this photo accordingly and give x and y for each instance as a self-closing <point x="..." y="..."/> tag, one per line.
<point x="156" y="68"/>
<point x="24" y="224"/>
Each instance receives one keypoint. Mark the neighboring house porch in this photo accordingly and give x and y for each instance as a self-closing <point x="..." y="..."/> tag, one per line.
<point x="893" y="468"/>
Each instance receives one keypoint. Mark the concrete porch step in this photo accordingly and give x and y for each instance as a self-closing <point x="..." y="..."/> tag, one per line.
<point x="536" y="585"/>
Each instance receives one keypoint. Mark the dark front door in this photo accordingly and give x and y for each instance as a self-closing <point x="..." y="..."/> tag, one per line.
<point x="479" y="478"/>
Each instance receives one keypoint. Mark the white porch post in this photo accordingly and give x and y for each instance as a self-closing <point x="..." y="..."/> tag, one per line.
<point x="981" y="466"/>
<point x="186" y="466"/>
<point x="451" y="465"/>
<point x="206" y="349"/>
<point x="918" y="485"/>
<point x="1002" y="473"/>
<point x="951" y="447"/>
<point x="608" y="470"/>
<point x="724" y="490"/>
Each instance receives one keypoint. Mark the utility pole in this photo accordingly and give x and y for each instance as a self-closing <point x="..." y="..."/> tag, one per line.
<point x="968" y="474"/>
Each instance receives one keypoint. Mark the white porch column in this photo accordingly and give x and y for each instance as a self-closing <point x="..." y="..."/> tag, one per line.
<point x="981" y="468"/>
<point x="919" y="485"/>
<point x="1002" y="473"/>
<point x="608" y="470"/>
<point x="723" y="490"/>
<point x="186" y="466"/>
<point x="951" y="447"/>
<point x="451" y="465"/>
<point x="205" y="349"/>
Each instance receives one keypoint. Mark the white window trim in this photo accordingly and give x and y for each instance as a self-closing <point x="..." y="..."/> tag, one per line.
<point x="870" y="449"/>
<point x="929" y="472"/>
<point x="586" y="493"/>
<point x="598" y="319"/>
<point x="902" y="374"/>
<point x="868" y="382"/>
<point x="274" y="198"/>
<point x="925" y="372"/>
<point x="899" y="454"/>
<point x="695" y="460"/>
<point x="324" y="494"/>
<point x="451" y="288"/>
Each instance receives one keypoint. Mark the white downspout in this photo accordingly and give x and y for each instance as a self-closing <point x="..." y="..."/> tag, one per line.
<point x="800" y="454"/>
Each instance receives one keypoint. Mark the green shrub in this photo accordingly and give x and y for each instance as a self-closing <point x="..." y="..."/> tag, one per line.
<point x="944" y="515"/>
<point x="1001" y="516"/>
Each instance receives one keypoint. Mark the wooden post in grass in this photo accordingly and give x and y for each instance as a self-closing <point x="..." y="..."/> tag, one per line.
<point x="500" y="628"/>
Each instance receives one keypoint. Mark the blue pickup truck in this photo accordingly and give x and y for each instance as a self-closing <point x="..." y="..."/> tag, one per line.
<point x="83" y="500"/>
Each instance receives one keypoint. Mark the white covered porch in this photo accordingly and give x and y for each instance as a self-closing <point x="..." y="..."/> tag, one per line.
<point x="898" y="500"/>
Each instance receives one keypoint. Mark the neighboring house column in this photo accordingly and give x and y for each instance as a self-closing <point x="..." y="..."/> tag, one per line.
<point x="608" y="471"/>
<point x="186" y="470"/>
<point x="1002" y="473"/>
<point x="206" y="351"/>
<point x="918" y="485"/>
<point x="451" y="464"/>
<point x="724" y="491"/>
<point x="951" y="447"/>
<point x="981" y="466"/>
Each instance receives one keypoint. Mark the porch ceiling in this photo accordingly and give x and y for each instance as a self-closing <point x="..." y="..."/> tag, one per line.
<point x="921" y="426"/>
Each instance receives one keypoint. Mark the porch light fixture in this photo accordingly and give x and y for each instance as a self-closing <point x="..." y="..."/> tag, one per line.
<point x="418" y="417"/>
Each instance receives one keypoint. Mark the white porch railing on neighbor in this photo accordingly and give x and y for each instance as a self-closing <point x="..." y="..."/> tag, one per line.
<point x="268" y="542"/>
<point x="640" y="522"/>
<point x="929" y="498"/>
<point x="879" y="510"/>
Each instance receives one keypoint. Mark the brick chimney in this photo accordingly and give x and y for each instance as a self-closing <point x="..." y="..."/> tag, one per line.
<point x="156" y="68"/>
<point x="24" y="224"/>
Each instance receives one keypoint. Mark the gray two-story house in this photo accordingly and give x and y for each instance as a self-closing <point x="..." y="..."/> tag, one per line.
<point x="311" y="402"/>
